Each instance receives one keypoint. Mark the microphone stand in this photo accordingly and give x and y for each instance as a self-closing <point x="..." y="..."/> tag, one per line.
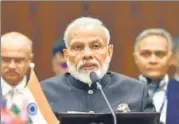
<point x="113" y="114"/>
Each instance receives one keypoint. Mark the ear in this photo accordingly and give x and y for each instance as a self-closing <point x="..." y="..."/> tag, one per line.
<point x="31" y="56"/>
<point x="110" y="51"/>
<point x="65" y="52"/>
<point x="173" y="60"/>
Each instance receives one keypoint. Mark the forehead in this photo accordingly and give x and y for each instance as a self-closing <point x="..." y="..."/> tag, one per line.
<point x="14" y="50"/>
<point x="153" y="43"/>
<point x="85" y="34"/>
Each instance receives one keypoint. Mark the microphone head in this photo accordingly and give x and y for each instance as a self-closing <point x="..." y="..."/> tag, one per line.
<point x="93" y="76"/>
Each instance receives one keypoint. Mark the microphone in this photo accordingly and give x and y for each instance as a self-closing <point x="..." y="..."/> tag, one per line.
<point x="94" y="78"/>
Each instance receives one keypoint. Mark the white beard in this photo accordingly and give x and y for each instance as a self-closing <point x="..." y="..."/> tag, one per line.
<point x="84" y="76"/>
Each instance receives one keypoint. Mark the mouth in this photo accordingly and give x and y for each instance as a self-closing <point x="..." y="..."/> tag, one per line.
<point x="88" y="67"/>
<point x="12" y="74"/>
<point x="153" y="68"/>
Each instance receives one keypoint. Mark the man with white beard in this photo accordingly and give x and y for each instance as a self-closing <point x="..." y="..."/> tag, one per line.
<point x="89" y="49"/>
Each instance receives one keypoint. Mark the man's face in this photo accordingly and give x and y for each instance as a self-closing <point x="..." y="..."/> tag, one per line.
<point x="15" y="62"/>
<point x="88" y="51"/>
<point x="59" y="64"/>
<point x="153" y="56"/>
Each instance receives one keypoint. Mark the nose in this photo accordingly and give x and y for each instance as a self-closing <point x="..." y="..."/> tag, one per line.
<point x="12" y="64"/>
<point x="153" y="59"/>
<point x="88" y="54"/>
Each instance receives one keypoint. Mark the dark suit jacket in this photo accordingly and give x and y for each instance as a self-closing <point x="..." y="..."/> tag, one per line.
<point x="173" y="102"/>
<point x="65" y="93"/>
<point x="1" y="95"/>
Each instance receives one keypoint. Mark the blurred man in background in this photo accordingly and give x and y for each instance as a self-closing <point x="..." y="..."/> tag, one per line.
<point x="58" y="62"/>
<point x="173" y="90"/>
<point x="176" y="58"/>
<point x="16" y="56"/>
<point x="152" y="55"/>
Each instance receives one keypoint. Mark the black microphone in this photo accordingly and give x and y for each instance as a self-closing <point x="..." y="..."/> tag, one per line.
<point x="94" y="78"/>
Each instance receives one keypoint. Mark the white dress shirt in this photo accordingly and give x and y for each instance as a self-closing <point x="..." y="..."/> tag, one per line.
<point x="176" y="77"/>
<point x="21" y="95"/>
<point x="159" y="97"/>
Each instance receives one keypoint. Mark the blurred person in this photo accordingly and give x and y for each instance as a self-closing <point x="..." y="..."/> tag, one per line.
<point x="89" y="49"/>
<point x="152" y="55"/>
<point x="16" y="56"/>
<point x="58" y="61"/>
<point x="0" y="94"/>
<point x="176" y="59"/>
<point x="173" y="90"/>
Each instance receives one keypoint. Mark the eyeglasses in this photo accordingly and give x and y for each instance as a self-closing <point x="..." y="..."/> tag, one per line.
<point x="63" y="65"/>
<point x="96" y="47"/>
<point x="7" y="60"/>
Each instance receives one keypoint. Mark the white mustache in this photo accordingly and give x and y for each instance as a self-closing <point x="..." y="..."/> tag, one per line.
<point x="92" y="62"/>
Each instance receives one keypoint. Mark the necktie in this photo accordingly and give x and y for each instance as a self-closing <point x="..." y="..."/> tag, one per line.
<point x="12" y="92"/>
<point x="14" y="96"/>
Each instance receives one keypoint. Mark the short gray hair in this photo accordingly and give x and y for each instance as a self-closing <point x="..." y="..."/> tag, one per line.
<point x="17" y="36"/>
<point x="154" y="31"/>
<point x="85" y="21"/>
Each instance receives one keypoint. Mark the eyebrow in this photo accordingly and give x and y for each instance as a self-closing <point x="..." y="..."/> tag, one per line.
<point x="18" y="57"/>
<point x="95" y="40"/>
<point x="75" y="42"/>
<point x="146" y="49"/>
<point x="90" y="41"/>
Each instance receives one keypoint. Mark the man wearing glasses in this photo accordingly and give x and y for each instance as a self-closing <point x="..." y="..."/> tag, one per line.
<point x="89" y="49"/>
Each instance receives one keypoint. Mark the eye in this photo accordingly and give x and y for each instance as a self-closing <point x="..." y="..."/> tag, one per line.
<point x="95" y="46"/>
<point x="6" y="59"/>
<point x="160" y="54"/>
<point x="77" y="47"/>
<point x="145" y="54"/>
<point x="19" y="60"/>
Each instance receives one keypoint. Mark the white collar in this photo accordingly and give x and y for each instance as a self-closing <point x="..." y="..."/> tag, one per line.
<point x="163" y="83"/>
<point x="176" y="77"/>
<point x="6" y="87"/>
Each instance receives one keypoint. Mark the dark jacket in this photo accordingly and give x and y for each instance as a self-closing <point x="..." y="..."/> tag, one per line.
<point x="65" y="93"/>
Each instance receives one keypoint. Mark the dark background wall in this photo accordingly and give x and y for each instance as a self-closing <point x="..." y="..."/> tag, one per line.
<point x="44" y="22"/>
